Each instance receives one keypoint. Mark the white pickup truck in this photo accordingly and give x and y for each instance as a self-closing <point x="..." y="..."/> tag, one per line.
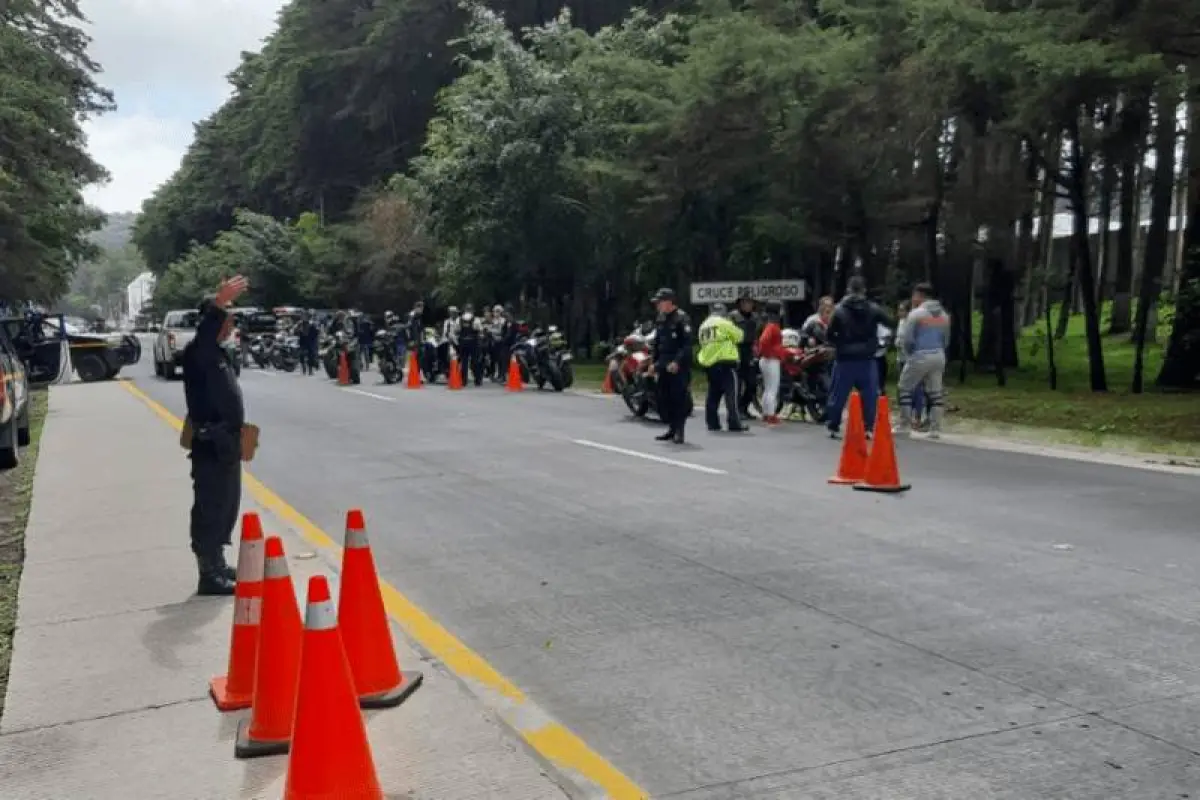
<point x="178" y="328"/>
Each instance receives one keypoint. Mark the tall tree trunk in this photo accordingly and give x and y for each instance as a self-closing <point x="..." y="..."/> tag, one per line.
<point x="1108" y="181"/>
<point x="1039" y="270"/>
<point x="1181" y="367"/>
<point x="1080" y="168"/>
<point x="1132" y="120"/>
<point x="1161" y="191"/>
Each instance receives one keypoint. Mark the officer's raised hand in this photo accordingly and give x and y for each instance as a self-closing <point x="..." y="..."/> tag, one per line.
<point x="229" y="290"/>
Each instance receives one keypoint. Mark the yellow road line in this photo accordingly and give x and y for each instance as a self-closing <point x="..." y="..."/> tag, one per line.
<point x="548" y="738"/>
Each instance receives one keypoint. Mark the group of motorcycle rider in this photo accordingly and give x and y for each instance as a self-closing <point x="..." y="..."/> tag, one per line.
<point x="481" y="344"/>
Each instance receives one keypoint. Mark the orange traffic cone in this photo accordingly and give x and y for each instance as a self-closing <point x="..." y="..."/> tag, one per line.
<point x="455" y="380"/>
<point x="330" y="755"/>
<point x="235" y="689"/>
<point x="366" y="633"/>
<point x="853" y="463"/>
<point x="414" y="372"/>
<point x="607" y="386"/>
<point x="882" y="474"/>
<point x="514" y="384"/>
<point x="343" y="378"/>
<point x="269" y="729"/>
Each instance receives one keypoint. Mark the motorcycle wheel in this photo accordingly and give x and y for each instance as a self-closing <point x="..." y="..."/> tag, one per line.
<point x="568" y="375"/>
<point x="289" y="366"/>
<point x="638" y="406"/>
<point x="556" y="378"/>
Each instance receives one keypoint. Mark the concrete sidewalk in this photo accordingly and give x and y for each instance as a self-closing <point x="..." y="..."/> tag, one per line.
<point x="113" y="653"/>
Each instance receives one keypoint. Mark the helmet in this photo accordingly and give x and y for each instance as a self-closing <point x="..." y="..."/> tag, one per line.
<point x="791" y="337"/>
<point x="452" y="310"/>
<point x="468" y="317"/>
<point x="497" y="309"/>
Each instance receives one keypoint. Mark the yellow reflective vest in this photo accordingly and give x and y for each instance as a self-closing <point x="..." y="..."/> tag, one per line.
<point x="719" y="340"/>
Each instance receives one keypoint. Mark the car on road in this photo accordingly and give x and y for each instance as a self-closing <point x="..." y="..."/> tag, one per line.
<point x="178" y="328"/>
<point x="94" y="356"/>
<point x="14" y="404"/>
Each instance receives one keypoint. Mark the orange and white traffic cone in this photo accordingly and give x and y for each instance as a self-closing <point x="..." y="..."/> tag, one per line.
<point x="882" y="473"/>
<point x="514" y="384"/>
<point x="343" y="370"/>
<point x="414" y="372"/>
<point x="235" y="689"/>
<point x="607" y="386"/>
<point x="366" y="633"/>
<point x="269" y="729"/>
<point x="455" y="379"/>
<point x="853" y="463"/>
<point x="330" y="755"/>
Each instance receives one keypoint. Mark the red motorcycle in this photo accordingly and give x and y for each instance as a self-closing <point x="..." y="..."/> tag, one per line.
<point x="628" y="366"/>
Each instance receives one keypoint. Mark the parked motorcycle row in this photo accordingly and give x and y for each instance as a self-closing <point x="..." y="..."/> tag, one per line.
<point x="804" y="385"/>
<point x="542" y="355"/>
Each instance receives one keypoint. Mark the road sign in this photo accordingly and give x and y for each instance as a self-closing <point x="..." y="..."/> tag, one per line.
<point x="784" y="291"/>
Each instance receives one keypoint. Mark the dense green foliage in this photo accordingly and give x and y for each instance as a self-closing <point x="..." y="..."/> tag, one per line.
<point x="376" y="152"/>
<point x="47" y="90"/>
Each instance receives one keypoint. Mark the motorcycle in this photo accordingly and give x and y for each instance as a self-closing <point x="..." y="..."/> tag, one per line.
<point x="804" y="377"/>
<point x="434" y="353"/>
<point x="327" y="352"/>
<point x="285" y="353"/>
<point x="560" y="355"/>
<point x="387" y="355"/>
<point x="628" y="369"/>
<point x="260" y="349"/>
<point x="536" y="363"/>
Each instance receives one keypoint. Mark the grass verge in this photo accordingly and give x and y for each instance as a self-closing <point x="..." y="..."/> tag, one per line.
<point x="16" y="493"/>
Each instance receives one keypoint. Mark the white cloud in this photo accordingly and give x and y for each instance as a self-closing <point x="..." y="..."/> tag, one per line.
<point x="166" y="61"/>
<point x="140" y="150"/>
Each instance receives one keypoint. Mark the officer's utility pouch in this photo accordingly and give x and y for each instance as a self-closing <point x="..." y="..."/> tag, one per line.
<point x="186" y="434"/>
<point x="249" y="441"/>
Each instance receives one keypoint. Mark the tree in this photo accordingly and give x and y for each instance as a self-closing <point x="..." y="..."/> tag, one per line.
<point x="47" y="90"/>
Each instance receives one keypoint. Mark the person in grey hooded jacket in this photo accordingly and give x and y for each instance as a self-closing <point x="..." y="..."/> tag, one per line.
<point x="926" y="334"/>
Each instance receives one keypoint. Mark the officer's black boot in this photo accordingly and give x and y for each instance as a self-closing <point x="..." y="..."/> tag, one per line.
<point x="225" y="569"/>
<point x="666" y="437"/>
<point x="213" y="580"/>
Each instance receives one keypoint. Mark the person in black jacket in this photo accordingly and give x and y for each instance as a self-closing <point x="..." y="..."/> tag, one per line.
<point x="854" y="334"/>
<point x="746" y="319"/>
<point x="672" y="364"/>
<point x="216" y="415"/>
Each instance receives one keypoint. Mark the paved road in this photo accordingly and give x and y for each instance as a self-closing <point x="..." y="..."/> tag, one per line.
<point x="724" y="624"/>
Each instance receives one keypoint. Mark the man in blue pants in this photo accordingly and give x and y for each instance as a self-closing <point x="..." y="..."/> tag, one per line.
<point x="853" y="332"/>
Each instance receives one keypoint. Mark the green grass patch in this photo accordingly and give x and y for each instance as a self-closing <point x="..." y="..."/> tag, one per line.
<point x="16" y="493"/>
<point x="1153" y="421"/>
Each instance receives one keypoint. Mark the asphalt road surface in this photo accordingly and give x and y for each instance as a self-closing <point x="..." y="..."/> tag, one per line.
<point x="718" y="622"/>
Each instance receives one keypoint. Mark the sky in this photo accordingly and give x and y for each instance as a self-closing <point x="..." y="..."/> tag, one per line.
<point x="166" y="61"/>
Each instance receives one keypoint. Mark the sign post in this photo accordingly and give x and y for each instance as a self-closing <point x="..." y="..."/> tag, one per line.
<point x="784" y="291"/>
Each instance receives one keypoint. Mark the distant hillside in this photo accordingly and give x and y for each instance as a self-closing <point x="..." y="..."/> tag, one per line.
<point x="117" y="232"/>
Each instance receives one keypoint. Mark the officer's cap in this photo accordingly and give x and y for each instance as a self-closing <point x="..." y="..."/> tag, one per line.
<point x="663" y="294"/>
<point x="719" y="309"/>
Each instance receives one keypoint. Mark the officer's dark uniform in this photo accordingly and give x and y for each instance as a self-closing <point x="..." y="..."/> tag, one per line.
<point x="673" y="345"/>
<point x="214" y="406"/>
<point x="747" y="376"/>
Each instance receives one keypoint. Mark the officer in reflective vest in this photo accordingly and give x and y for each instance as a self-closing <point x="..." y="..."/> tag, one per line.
<point x="719" y="340"/>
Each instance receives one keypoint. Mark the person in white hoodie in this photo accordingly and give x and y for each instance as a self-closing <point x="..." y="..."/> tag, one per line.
<point x="926" y="334"/>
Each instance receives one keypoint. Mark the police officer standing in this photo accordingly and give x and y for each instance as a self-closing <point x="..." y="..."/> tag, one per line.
<point x="672" y="364"/>
<point x="719" y="340"/>
<point x="215" y="418"/>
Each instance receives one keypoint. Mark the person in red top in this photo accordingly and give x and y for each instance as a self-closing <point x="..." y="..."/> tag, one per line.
<point x="770" y="359"/>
